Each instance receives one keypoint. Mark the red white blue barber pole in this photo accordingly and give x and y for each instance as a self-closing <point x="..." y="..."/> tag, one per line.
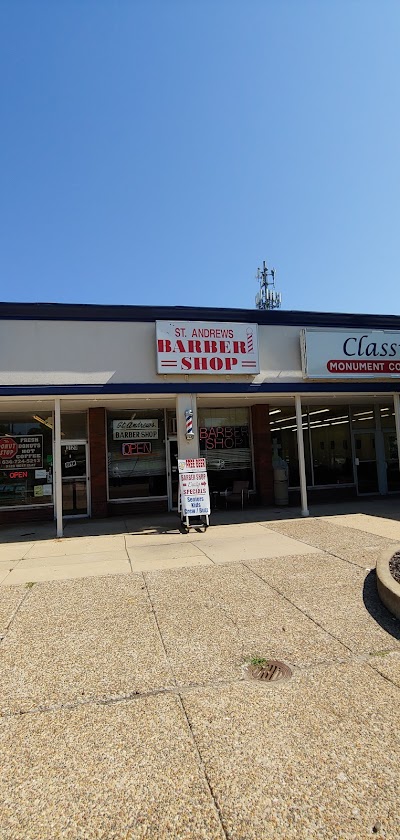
<point x="249" y="340"/>
<point x="189" y="424"/>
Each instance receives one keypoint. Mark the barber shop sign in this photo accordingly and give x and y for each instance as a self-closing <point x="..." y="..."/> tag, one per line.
<point x="197" y="347"/>
<point x="343" y="354"/>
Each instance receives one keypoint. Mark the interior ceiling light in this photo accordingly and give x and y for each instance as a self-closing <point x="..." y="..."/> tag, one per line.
<point x="362" y="413"/>
<point x="339" y="422"/>
<point x="339" y="417"/>
<point x="276" y="411"/>
<point x="320" y="411"/>
<point x="286" y="419"/>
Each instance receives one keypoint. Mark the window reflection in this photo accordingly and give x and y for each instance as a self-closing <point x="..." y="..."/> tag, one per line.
<point x="327" y="429"/>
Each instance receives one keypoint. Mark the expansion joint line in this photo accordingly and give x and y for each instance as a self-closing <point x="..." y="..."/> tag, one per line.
<point x="303" y="612"/>
<point x="188" y="724"/>
<point x="14" y="615"/>
<point x="367" y="659"/>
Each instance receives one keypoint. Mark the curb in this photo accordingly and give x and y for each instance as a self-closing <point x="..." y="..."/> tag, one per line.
<point x="388" y="588"/>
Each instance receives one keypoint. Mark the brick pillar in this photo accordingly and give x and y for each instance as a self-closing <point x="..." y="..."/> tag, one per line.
<point x="98" y="462"/>
<point x="262" y="453"/>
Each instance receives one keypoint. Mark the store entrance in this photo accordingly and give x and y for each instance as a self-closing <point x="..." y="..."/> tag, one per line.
<point x="376" y="462"/>
<point x="74" y="459"/>
<point x="365" y="453"/>
<point x="173" y="474"/>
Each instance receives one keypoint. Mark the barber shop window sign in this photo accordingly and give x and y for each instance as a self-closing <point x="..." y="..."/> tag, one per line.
<point x="224" y="437"/>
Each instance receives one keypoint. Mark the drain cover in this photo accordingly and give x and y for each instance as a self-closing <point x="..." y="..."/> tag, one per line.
<point x="272" y="670"/>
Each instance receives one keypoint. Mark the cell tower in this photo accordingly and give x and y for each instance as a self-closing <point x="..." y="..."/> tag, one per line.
<point x="267" y="297"/>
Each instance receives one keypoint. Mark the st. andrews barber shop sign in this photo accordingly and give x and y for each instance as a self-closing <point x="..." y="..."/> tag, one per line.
<point x="350" y="354"/>
<point x="197" y="347"/>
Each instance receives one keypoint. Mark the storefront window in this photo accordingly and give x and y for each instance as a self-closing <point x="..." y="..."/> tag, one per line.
<point x="331" y="445"/>
<point x="74" y="425"/>
<point x="363" y="417"/>
<point x="224" y="438"/>
<point x="26" y="460"/>
<point x="387" y="416"/>
<point x="327" y="443"/>
<point x="136" y="454"/>
<point x="284" y="441"/>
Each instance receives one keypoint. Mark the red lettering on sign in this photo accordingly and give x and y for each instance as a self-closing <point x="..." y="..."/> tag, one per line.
<point x="20" y="474"/>
<point x="8" y="448"/>
<point x="224" y="437"/>
<point x="140" y="448"/>
<point x="343" y="366"/>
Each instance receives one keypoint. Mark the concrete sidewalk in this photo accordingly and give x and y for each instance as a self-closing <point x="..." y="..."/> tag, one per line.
<point x="124" y="711"/>
<point x="122" y="546"/>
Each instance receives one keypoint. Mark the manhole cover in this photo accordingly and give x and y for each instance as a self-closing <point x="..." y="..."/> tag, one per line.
<point x="272" y="670"/>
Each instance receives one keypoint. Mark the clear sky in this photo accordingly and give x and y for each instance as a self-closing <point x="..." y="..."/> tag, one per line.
<point x="156" y="151"/>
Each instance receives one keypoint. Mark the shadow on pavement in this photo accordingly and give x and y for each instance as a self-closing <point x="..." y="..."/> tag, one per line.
<point x="376" y="609"/>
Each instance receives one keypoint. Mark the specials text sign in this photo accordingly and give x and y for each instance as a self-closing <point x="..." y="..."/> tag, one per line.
<point x="193" y="487"/>
<point x="349" y="354"/>
<point x="197" y="347"/>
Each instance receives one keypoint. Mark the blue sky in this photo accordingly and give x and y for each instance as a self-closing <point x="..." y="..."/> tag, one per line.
<point x="158" y="151"/>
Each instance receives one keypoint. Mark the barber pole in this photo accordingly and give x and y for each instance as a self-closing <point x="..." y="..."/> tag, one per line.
<point x="249" y="340"/>
<point x="189" y="424"/>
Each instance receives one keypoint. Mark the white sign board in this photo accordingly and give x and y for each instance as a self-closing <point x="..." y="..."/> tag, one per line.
<point x="209" y="347"/>
<point x="191" y="465"/>
<point x="135" y="429"/>
<point x="193" y="487"/>
<point x="350" y="354"/>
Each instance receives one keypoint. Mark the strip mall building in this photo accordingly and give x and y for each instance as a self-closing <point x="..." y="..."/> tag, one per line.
<point x="95" y="403"/>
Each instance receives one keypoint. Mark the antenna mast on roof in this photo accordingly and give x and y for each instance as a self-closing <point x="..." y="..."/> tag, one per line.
<point x="267" y="297"/>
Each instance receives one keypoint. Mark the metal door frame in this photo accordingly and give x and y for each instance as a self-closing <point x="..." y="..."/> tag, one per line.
<point x="378" y="460"/>
<point x="171" y="439"/>
<point x="81" y="442"/>
<point x="388" y="432"/>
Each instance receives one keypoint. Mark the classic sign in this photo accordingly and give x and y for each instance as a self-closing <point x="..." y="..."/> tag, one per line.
<point x="196" y="347"/>
<point x="340" y="354"/>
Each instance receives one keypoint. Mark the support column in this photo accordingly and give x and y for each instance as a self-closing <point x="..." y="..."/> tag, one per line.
<point x="57" y="467"/>
<point x="262" y="450"/>
<point x="302" y="463"/>
<point x="98" y="462"/>
<point x="186" y="448"/>
<point x="396" y="403"/>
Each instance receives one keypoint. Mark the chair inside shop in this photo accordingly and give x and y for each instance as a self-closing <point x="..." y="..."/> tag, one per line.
<point x="239" y="494"/>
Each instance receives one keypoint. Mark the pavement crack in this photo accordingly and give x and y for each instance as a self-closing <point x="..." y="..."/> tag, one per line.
<point x="197" y="545"/>
<point x="112" y="700"/>
<point x="203" y="768"/>
<point x="127" y="554"/>
<point x="153" y="610"/>
<point x="14" y="614"/>
<point x="303" y="612"/>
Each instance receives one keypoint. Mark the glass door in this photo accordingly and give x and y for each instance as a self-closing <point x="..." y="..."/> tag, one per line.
<point x="392" y="461"/>
<point x="74" y="478"/>
<point x="366" y="462"/>
<point x="173" y="474"/>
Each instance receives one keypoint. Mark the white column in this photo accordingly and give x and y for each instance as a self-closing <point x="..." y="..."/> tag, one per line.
<point x="57" y="466"/>
<point x="186" y="448"/>
<point x="302" y="463"/>
<point x="396" y="403"/>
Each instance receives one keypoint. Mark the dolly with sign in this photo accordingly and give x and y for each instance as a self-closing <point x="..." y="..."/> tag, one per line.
<point x="194" y="496"/>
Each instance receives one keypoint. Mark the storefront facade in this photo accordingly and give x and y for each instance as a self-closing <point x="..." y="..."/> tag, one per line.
<point x="97" y="403"/>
